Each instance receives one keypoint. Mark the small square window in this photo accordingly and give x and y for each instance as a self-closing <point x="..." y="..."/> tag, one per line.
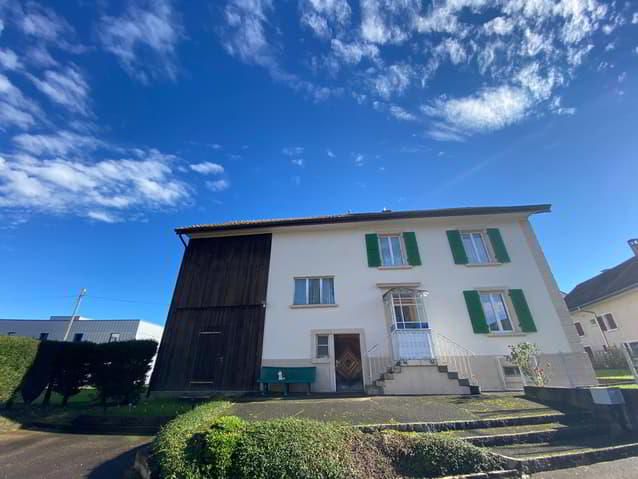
<point x="11" y="333"/>
<point x="115" y="337"/>
<point x="391" y="248"/>
<point x="77" y="337"/>
<point x="322" y="350"/>
<point x="44" y="336"/>
<point x="476" y="247"/>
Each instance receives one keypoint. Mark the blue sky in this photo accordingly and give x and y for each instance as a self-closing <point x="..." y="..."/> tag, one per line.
<point x="122" y="120"/>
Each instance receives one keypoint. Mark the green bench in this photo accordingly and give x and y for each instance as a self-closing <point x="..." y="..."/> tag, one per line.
<point x="286" y="375"/>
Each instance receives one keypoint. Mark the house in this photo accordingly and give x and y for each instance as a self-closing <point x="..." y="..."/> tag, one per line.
<point x="604" y="308"/>
<point x="406" y="302"/>
<point x="82" y="329"/>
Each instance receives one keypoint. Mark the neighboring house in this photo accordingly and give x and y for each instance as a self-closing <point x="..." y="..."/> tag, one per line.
<point x="605" y="308"/>
<point x="410" y="302"/>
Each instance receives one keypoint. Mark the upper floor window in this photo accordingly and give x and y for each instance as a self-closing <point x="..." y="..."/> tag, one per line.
<point x="607" y="322"/>
<point x="115" y="337"/>
<point x="44" y="336"/>
<point x="392" y="253"/>
<point x="475" y="247"/>
<point x="77" y="337"/>
<point x="314" y="291"/>
<point x="579" y="329"/>
<point x="407" y="308"/>
<point x="496" y="313"/>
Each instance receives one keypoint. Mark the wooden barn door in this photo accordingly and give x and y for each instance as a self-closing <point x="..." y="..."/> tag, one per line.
<point x="208" y="362"/>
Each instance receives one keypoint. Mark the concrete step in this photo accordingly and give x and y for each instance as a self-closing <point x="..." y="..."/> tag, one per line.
<point x="387" y="376"/>
<point x="542" y="435"/>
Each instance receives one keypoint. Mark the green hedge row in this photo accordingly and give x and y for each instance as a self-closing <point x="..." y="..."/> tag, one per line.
<point x="195" y="446"/>
<point x="16" y="357"/>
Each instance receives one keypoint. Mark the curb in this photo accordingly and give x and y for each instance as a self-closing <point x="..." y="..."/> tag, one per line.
<point x="471" y="424"/>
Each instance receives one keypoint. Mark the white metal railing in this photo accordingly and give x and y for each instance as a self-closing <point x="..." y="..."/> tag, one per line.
<point x="451" y="354"/>
<point x="379" y="361"/>
<point x="410" y="344"/>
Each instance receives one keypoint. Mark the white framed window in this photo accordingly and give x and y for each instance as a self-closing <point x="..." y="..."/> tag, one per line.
<point x="392" y="250"/>
<point x="115" y="337"/>
<point x="511" y="372"/>
<point x="607" y="322"/>
<point x="314" y="290"/>
<point x="476" y="247"/>
<point x="408" y="311"/>
<point x="496" y="312"/>
<point x="322" y="350"/>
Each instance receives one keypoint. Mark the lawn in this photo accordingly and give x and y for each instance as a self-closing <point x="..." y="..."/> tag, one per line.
<point x="614" y="374"/>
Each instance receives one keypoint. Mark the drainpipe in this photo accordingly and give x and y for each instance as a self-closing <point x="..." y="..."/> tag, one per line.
<point x="602" y="333"/>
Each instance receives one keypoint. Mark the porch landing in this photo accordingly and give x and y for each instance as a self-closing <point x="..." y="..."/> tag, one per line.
<point x="387" y="409"/>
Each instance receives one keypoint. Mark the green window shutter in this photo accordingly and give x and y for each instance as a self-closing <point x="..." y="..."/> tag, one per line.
<point x="412" y="249"/>
<point x="456" y="245"/>
<point x="498" y="245"/>
<point x="522" y="311"/>
<point x="372" y="246"/>
<point x="477" y="315"/>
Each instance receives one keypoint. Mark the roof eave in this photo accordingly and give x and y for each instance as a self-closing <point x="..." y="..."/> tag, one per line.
<point x="575" y="309"/>
<point x="362" y="217"/>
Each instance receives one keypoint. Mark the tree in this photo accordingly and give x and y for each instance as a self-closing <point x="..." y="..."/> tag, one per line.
<point x="525" y="356"/>
<point x="72" y="367"/>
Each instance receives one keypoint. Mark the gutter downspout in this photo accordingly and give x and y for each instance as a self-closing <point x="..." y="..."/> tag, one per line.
<point x="602" y="333"/>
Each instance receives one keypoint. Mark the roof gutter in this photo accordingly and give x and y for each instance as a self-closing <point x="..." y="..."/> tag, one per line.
<point x="602" y="298"/>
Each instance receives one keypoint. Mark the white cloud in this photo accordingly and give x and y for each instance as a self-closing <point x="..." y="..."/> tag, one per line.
<point x="207" y="168"/>
<point x="297" y="161"/>
<point x="401" y="114"/>
<point x="540" y="86"/>
<point x="359" y="159"/>
<point x="144" y="39"/>
<point x="499" y="26"/>
<point x="393" y="80"/>
<point x="66" y="87"/>
<point x="103" y="216"/>
<point x="43" y="23"/>
<point x="292" y="150"/>
<point x="60" y="143"/>
<point x="487" y="110"/>
<point x="324" y="17"/>
<point x="218" y="185"/>
<point x="15" y="109"/>
<point x="330" y="153"/>
<point x="354" y="52"/>
<point x="9" y="60"/>
<point x="453" y="49"/>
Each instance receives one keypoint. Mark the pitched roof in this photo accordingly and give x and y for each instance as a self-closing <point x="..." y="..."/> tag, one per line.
<point x="357" y="217"/>
<point x="606" y="284"/>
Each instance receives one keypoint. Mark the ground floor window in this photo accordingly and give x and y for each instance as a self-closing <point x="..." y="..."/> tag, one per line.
<point x="496" y="313"/>
<point x="321" y="349"/>
<point x="314" y="291"/>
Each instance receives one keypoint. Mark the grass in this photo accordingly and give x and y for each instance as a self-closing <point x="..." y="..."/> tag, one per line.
<point x="614" y="374"/>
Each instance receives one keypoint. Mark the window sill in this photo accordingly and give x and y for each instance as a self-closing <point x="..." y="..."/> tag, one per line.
<point x="401" y="266"/>
<point x="480" y="265"/>
<point x="310" y="306"/>
<point x="506" y="335"/>
<point x="320" y="360"/>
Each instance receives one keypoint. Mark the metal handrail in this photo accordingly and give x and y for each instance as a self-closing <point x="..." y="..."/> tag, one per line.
<point x="449" y="353"/>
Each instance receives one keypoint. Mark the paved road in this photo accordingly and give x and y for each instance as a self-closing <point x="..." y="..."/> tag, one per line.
<point x="620" y="469"/>
<point x="46" y="455"/>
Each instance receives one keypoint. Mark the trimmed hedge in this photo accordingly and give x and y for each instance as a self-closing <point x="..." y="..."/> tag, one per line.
<point x="175" y="448"/>
<point x="16" y="356"/>
<point x="197" y="445"/>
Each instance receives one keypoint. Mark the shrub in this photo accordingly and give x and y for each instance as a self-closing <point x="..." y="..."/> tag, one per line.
<point x="16" y="357"/>
<point x="71" y="369"/>
<point x="174" y="454"/>
<point x="41" y="371"/>
<point x="119" y="369"/>
<point x="219" y="445"/>
<point x="293" y="448"/>
<point x="434" y="455"/>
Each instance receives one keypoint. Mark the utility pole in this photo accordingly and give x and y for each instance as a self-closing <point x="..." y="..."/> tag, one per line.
<point x="75" y="311"/>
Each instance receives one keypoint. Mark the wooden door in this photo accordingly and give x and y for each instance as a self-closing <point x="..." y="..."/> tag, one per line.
<point x="348" y="369"/>
<point x="208" y="362"/>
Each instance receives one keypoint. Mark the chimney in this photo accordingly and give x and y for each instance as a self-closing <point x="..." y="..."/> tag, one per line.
<point x="633" y="244"/>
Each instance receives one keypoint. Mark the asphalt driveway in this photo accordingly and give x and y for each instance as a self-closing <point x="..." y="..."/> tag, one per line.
<point x="46" y="455"/>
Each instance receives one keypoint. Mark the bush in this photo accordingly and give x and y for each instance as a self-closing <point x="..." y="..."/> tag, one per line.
<point x="293" y="448"/>
<point x="219" y="445"/>
<point x="434" y="455"/>
<point x="71" y="369"/>
<point x="175" y="454"/>
<point x="41" y="372"/>
<point x="613" y="358"/>
<point x="119" y="369"/>
<point x="16" y="357"/>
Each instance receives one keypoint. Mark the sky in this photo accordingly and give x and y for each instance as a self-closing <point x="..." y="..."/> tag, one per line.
<point x="120" y="121"/>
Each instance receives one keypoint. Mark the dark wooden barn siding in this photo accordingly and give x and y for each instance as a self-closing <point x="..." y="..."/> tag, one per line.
<point x="221" y="288"/>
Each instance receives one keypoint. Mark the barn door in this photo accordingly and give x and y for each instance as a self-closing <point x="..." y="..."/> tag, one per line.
<point x="209" y="359"/>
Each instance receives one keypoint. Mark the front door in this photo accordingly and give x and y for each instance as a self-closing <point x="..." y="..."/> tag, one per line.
<point x="209" y="360"/>
<point x="348" y="370"/>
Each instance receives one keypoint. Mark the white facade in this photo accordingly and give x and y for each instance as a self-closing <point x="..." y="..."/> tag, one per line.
<point x="93" y="330"/>
<point x="339" y="251"/>
<point x="623" y="308"/>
